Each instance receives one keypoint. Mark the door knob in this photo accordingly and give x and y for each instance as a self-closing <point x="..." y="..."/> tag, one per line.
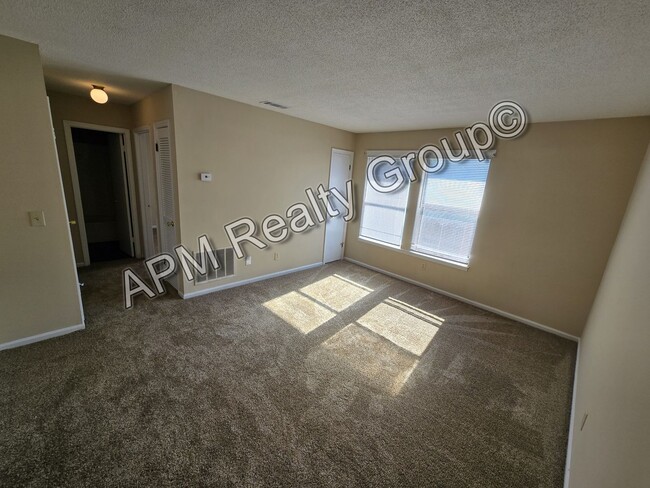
<point x="72" y="222"/>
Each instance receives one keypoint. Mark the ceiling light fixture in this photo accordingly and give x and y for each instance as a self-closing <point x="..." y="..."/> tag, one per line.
<point x="98" y="94"/>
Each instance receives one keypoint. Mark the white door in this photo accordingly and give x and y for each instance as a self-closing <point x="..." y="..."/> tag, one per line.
<point x="166" y="191"/>
<point x="340" y="172"/>
<point x="119" y="174"/>
<point x="65" y="208"/>
<point x="145" y="167"/>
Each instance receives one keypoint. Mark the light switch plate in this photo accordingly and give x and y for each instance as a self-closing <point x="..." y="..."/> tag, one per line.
<point x="37" y="218"/>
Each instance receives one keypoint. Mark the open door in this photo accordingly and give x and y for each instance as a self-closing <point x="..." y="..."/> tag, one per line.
<point x="335" y="227"/>
<point x="119" y="174"/>
<point x="104" y="192"/>
<point x="146" y="171"/>
<point x="71" y="222"/>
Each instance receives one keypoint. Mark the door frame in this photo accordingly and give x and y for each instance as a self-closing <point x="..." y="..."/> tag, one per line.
<point x="329" y="178"/>
<point x="68" y="125"/>
<point x="144" y="180"/>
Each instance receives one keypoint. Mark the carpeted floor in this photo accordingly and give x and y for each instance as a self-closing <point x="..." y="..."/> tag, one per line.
<point x="336" y="376"/>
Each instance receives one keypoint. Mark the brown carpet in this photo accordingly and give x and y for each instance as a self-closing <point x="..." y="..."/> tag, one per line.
<point x="336" y="376"/>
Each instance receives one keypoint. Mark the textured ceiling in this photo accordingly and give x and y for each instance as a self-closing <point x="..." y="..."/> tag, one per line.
<point x="357" y="65"/>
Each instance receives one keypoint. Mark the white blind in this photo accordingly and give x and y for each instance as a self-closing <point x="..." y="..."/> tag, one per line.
<point x="383" y="214"/>
<point x="448" y="210"/>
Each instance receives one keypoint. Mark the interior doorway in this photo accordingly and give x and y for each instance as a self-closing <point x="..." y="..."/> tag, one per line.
<point x="104" y="193"/>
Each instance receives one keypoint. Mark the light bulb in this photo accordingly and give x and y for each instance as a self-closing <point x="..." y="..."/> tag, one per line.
<point x="98" y="94"/>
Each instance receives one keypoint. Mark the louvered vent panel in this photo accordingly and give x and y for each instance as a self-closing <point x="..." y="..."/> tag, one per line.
<point x="221" y="272"/>
<point x="226" y="260"/>
<point x="166" y="174"/>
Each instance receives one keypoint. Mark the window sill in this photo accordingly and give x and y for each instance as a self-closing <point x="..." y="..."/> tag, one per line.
<point x="419" y="255"/>
<point x="436" y="259"/>
<point x="380" y="243"/>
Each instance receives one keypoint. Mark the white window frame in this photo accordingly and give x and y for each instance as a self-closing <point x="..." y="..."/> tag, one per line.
<point x="370" y="240"/>
<point x="405" y="247"/>
<point x="417" y="221"/>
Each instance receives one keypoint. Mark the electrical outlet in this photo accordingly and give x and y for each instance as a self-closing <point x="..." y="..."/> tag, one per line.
<point x="249" y="260"/>
<point x="37" y="218"/>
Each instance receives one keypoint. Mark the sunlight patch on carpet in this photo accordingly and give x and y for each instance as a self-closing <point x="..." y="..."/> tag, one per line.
<point x="336" y="292"/>
<point x="299" y="311"/>
<point x="402" y="324"/>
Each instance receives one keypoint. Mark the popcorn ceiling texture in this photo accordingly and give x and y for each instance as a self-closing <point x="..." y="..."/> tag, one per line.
<point x="363" y="66"/>
<point x="336" y="376"/>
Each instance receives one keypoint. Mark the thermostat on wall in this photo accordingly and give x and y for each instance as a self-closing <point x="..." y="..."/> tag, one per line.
<point x="206" y="176"/>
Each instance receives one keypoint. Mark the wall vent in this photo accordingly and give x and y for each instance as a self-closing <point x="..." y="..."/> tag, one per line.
<point x="273" y="104"/>
<point x="226" y="260"/>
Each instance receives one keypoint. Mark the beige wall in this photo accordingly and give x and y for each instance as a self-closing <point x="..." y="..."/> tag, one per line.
<point x="552" y="207"/>
<point x="38" y="293"/>
<point x="261" y="161"/>
<point x="81" y="109"/>
<point x="154" y="108"/>
<point x="612" y="382"/>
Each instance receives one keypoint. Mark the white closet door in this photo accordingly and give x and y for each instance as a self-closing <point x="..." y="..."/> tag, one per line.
<point x="166" y="190"/>
<point x="340" y="172"/>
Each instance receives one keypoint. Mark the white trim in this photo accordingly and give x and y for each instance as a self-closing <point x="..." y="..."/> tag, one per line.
<point x="419" y="255"/>
<point x="439" y="260"/>
<point x="470" y="302"/>
<point x="248" y="281"/>
<point x="567" y="466"/>
<point x="76" y="189"/>
<point x="41" y="337"/>
<point x="342" y="151"/>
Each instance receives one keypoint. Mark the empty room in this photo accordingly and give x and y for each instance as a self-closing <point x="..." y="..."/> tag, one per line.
<point x="338" y="244"/>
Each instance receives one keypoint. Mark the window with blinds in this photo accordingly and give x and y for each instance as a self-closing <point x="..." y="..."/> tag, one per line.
<point x="383" y="214"/>
<point x="448" y="209"/>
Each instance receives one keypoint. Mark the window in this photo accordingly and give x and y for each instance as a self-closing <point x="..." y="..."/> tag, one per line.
<point x="383" y="214"/>
<point x="443" y="224"/>
<point x="448" y="210"/>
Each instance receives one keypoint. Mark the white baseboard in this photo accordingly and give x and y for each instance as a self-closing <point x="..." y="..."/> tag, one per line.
<point x="234" y="284"/>
<point x="467" y="300"/>
<point x="41" y="337"/>
<point x="567" y="466"/>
